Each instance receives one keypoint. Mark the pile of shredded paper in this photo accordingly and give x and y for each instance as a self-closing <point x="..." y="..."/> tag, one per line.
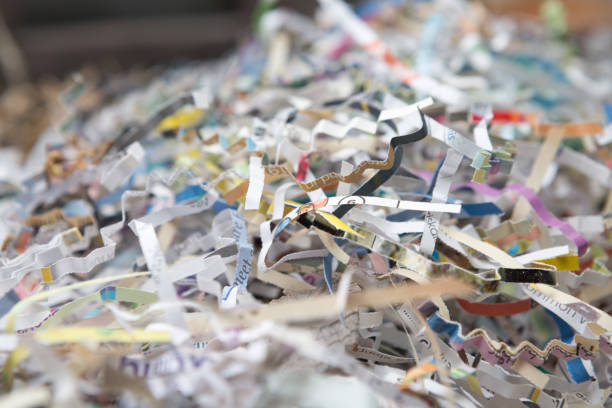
<point x="396" y="204"/>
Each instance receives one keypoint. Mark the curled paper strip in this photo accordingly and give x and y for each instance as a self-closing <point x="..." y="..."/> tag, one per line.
<point x="501" y="354"/>
<point x="371" y="164"/>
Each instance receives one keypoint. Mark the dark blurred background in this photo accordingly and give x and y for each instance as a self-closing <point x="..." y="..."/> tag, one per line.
<point x="58" y="36"/>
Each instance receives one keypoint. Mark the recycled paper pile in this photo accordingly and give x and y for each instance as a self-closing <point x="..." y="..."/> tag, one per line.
<point x="398" y="204"/>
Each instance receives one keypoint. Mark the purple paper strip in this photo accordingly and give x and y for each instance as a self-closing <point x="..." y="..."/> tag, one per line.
<point x="533" y="199"/>
<point x="538" y="207"/>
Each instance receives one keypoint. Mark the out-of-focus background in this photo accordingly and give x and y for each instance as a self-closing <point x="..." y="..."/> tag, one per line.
<point x="42" y="41"/>
<point x="56" y="37"/>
